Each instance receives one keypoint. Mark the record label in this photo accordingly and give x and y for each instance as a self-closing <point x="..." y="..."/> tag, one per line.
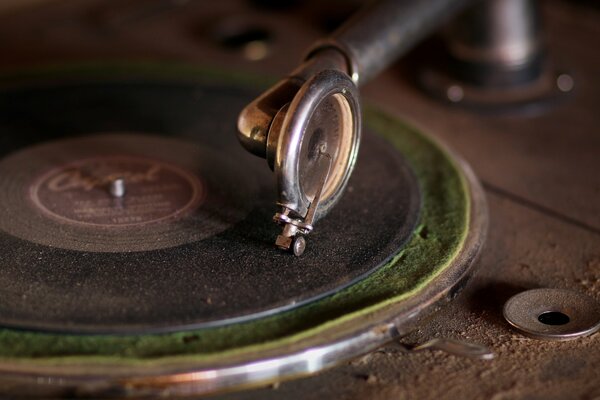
<point x="80" y="192"/>
<point x="61" y="193"/>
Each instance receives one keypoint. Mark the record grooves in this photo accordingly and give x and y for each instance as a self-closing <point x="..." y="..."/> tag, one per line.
<point x="193" y="246"/>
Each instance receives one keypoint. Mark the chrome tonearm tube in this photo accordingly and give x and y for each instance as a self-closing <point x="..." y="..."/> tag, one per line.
<point x="308" y="125"/>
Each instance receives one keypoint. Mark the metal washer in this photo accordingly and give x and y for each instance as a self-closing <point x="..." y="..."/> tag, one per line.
<point x="576" y="314"/>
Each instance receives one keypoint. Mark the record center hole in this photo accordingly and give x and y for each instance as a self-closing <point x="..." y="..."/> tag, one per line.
<point x="553" y="318"/>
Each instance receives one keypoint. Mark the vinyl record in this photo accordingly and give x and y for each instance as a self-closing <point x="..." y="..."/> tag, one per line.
<point x="137" y="242"/>
<point x="189" y="244"/>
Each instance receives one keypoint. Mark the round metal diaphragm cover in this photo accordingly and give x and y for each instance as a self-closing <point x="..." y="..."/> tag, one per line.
<point x="320" y="134"/>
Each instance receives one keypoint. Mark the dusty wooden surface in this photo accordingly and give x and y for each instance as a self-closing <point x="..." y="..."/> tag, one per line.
<point x="542" y="176"/>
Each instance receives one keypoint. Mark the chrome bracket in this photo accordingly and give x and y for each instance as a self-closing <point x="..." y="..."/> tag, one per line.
<point x="294" y="229"/>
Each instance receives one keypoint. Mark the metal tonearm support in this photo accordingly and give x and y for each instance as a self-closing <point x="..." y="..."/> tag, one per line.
<point x="317" y="107"/>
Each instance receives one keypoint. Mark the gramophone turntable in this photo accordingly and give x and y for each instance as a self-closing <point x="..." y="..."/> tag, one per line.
<point x="146" y="252"/>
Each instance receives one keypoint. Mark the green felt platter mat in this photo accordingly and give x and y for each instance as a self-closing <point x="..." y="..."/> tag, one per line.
<point x="429" y="269"/>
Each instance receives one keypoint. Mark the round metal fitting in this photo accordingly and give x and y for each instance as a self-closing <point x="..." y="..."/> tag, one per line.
<point x="323" y="118"/>
<point x="553" y="314"/>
